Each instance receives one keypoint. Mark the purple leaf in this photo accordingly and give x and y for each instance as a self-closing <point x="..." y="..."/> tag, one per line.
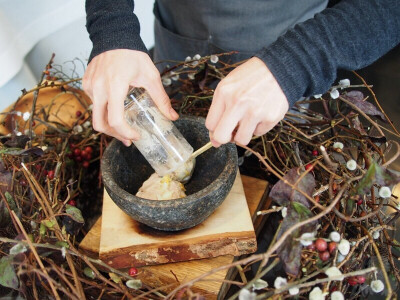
<point x="356" y="97"/>
<point x="8" y="278"/>
<point x="283" y="194"/>
<point x="290" y="251"/>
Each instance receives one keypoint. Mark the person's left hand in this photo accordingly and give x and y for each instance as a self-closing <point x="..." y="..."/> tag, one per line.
<point x="249" y="99"/>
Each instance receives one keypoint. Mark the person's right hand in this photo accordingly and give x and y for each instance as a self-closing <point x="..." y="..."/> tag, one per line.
<point x="107" y="80"/>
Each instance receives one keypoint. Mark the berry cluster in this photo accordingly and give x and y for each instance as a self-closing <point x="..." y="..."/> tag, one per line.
<point x="324" y="248"/>
<point x="81" y="155"/>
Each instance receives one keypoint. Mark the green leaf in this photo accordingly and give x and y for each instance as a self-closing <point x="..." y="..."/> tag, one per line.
<point x="114" y="277"/>
<point x="42" y="229"/>
<point x="75" y="213"/>
<point x="134" y="284"/>
<point x="376" y="175"/>
<point x="8" y="278"/>
<point x="49" y="224"/>
<point x="11" y="202"/>
<point x="89" y="273"/>
<point x="260" y="284"/>
<point x="62" y="244"/>
<point x="18" y="248"/>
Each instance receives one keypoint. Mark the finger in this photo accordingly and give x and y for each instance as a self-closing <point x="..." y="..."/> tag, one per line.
<point x="115" y="107"/>
<point x="263" y="127"/>
<point x="88" y="77"/>
<point x="245" y="131"/>
<point x="213" y="142"/>
<point x="216" y="111"/>
<point x="224" y="129"/>
<point x="100" y="119"/>
<point x="161" y="99"/>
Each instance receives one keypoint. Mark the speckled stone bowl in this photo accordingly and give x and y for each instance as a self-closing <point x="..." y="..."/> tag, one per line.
<point x="124" y="169"/>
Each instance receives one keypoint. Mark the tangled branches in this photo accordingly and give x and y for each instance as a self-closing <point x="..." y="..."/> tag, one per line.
<point x="328" y="160"/>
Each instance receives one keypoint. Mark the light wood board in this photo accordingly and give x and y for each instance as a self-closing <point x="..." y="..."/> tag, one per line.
<point x="164" y="275"/>
<point x="229" y="230"/>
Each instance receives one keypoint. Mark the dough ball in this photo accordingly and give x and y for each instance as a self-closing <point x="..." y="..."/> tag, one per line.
<point x="161" y="188"/>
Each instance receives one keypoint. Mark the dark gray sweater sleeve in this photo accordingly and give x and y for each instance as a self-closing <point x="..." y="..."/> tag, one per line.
<point x="112" y="25"/>
<point x="350" y="35"/>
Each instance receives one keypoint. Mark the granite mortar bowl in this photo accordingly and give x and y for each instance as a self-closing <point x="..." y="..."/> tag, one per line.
<point x="124" y="170"/>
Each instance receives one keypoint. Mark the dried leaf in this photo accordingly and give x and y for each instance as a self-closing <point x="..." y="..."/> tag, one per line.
<point x="290" y="251"/>
<point x="357" y="98"/>
<point x="8" y="278"/>
<point x="14" y="141"/>
<point x="5" y="178"/>
<point x="282" y="193"/>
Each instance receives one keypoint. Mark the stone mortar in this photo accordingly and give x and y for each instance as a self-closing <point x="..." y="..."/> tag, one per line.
<point x="124" y="170"/>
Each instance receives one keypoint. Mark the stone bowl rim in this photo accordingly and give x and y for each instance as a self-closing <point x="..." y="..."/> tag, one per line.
<point x="192" y="198"/>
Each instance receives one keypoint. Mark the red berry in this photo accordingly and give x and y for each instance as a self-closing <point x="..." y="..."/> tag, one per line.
<point x="33" y="123"/>
<point x="84" y="153"/>
<point x="89" y="149"/>
<point x="309" y="167"/>
<point x="311" y="247"/>
<point x="50" y="174"/>
<point x="38" y="167"/>
<point x="331" y="247"/>
<point x="85" y="164"/>
<point x="70" y="155"/>
<point x="78" y="113"/>
<point x="23" y="182"/>
<point x="324" y="256"/>
<point x="360" y="279"/>
<point x="315" y="153"/>
<point x="88" y="156"/>
<point x="78" y="158"/>
<point x="72" y="202"/>
<point x="316" y="198"/>
<point x="72" y="145"/>
<point x="321" y="245"/>
<point x="77" y="152"/>
<point x="352" y="281"/>
<point x="359" y="202"/>
<point x="45" y="172"/>
<point x="133" y="271"/>
<point x="46" y="72"/>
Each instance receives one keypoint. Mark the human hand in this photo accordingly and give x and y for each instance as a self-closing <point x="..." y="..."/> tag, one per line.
<point x="107" y="80"/>
<point x="249" y="99"/>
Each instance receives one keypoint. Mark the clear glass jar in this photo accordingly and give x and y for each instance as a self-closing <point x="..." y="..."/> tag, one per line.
<point x="160" y="141"/>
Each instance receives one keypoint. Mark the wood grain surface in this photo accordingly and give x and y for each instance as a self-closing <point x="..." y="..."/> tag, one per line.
<point x="169" y="275"/>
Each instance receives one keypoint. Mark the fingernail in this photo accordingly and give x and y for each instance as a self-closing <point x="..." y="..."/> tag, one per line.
<point x="127" y="143"/>
<point x="174" y="115"/>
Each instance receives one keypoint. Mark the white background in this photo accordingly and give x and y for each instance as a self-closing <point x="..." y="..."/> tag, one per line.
<point x="30" y="31"/>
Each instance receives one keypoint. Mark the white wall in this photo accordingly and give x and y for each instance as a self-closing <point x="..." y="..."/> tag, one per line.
<point x="68" y="42"/>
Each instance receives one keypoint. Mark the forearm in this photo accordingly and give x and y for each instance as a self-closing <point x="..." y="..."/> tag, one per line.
<point x="349" y="36"/>
<point x="112" y="24"/>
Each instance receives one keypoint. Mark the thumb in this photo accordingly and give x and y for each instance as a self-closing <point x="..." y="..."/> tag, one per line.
<point x="161" y="99"/>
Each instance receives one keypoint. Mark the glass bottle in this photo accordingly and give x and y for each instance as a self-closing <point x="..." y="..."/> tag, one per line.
<point x="160" y="141"/>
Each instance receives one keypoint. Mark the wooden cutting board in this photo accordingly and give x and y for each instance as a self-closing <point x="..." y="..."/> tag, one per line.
<point x="229" y="230"/>
<point x="166" y="276"/>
